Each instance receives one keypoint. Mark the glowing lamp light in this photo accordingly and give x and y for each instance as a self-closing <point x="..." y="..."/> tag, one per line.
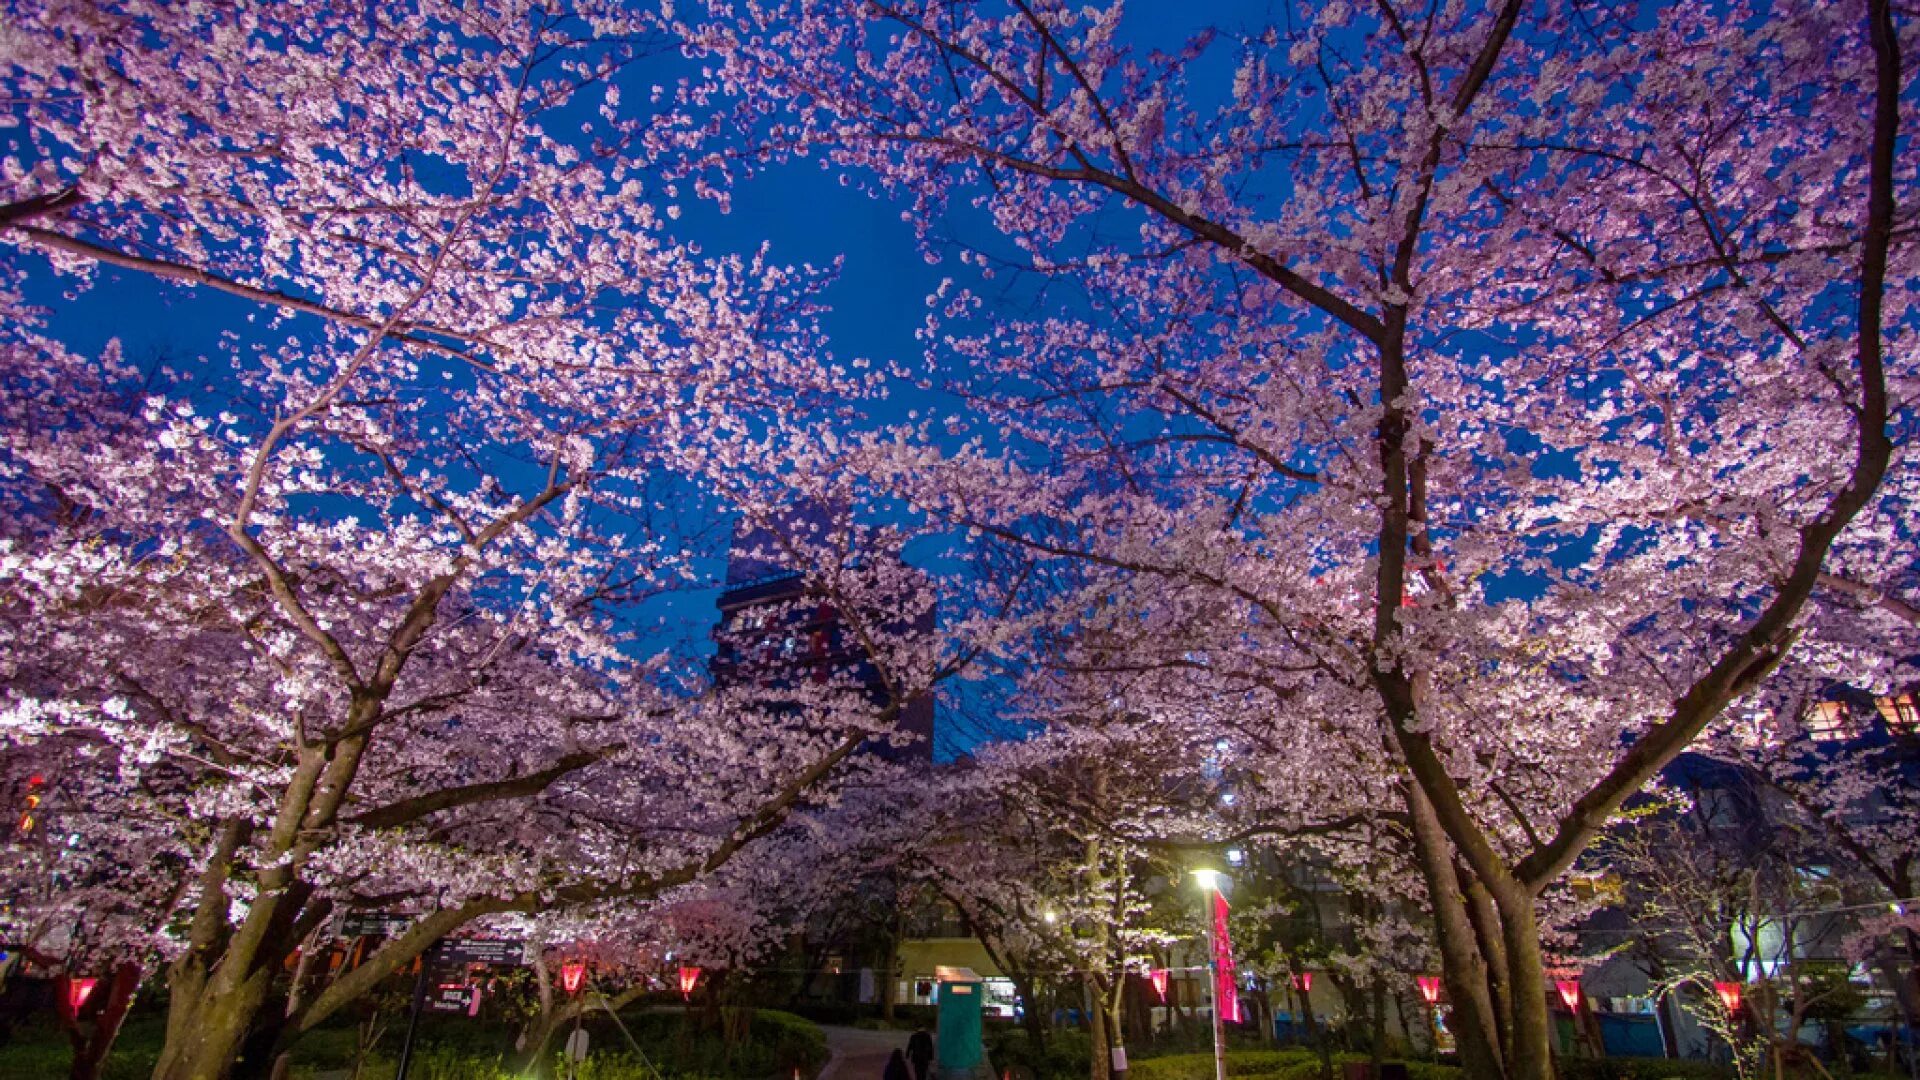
<point x="78" y="991"/>
<point x="1303" y="982"/>
<point x="1207" y="878"/>
<point x="1429" y="989"/>
<point x="1729" y="995"/>
<point x="689" y="978"/>
<point x="572" y="974"/>
<point x="1158" y="977"/>
<point x="32" y="802"/>
<point x="1569" y="992"/>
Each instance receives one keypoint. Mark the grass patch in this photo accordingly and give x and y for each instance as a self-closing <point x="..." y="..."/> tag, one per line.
<point x="457" y="1048"/>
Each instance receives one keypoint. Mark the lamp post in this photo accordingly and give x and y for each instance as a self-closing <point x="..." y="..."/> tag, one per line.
<point x="1209" y="881"/>
<point x="573" y="975"/>
<point x="1430" y="993"/>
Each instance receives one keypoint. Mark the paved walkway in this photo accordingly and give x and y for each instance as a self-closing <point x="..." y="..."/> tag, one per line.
<point x="854" y="1054"/>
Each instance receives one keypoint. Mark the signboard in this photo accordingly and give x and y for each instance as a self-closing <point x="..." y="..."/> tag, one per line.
<point x="482" y="951"/>
<point x="453" y="997"/>
<point x="373" y="924"/>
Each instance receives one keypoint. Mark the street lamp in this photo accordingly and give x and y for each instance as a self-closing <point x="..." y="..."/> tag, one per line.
<point x="1209" y="881"/>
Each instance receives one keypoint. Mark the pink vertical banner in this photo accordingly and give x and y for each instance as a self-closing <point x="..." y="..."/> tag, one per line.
<point x="1226" y="987"/>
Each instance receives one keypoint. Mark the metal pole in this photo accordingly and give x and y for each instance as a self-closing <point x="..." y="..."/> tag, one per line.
<point x="413" y="1014"/>
<point x="1213" y="987"/>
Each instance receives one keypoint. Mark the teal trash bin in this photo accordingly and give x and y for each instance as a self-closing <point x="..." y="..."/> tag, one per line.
<point x="958" y="1048"/>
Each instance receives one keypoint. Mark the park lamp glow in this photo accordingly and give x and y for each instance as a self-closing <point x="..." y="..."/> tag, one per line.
<point x="1429" y="989"/>
<point x="1729" y="993"/>
<point x="1207" y="878"/>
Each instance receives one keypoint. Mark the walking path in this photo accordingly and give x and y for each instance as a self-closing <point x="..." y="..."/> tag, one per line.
<point x="854" y="1054"/>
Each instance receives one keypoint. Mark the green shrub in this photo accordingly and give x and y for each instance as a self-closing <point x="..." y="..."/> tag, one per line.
<point x="1310" y="1069"/>
<point x="794" y="1041"/>
<point x="776" y="1043"/>
<point x="1248" y="1063"/>
<point x="1642" y="1069"/>
<point x="1067" y="1057"/>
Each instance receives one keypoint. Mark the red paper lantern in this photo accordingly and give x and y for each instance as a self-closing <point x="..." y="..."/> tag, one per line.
<point x="572" y="974"/>
<point x="689" y="978"/>
<point x="1569" y="992"/>
<point x="1429" y="988"/>
<point x="78" y="991"/>
<point x="1729" y="995"/>
<point x="1158" y="977"/>
<point x="1303" y="982"/>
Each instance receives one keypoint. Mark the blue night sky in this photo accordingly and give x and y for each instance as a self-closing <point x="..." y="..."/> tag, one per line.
<point x="805" y="213"/>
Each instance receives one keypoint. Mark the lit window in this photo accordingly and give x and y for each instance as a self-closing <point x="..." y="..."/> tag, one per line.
<point x="1901" y="713"/>
<point x="1830" y="721"/>
<point x="1602" y="887"/>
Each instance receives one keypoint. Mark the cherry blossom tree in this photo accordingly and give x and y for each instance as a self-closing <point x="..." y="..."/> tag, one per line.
<point x="353" y="610"/>
<point x="1815" y="744"/>
<point x="1513" y="380"/>
<point x="1046" y="867"/>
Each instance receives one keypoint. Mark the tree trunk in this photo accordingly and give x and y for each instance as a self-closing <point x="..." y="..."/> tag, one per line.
<point x="1315" y="1037"/>
<point x="1377" y="1048"/>
<point x="1462" y="966"/>
<point x="1532" y="1029"/>
<point x="212" y="1025"/>
<point x="1102" y="1029"/>
<point x="889" y="973"/>
<point x="534" y="1061"/>
<point x="1033" y="1018"/>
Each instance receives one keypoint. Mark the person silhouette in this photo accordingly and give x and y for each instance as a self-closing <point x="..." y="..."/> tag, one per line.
<point x="920" y="1051"/>
<point x="897" y="1068"/>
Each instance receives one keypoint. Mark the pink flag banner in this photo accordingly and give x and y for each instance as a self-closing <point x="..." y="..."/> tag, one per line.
<point x="1226" y="986"/>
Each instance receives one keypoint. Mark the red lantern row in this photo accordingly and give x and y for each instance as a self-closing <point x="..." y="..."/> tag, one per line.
<point x="574" y="972"/>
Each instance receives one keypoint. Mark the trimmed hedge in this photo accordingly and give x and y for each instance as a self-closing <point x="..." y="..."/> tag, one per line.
<point x="1250" y="1063"/>
<point x="1416" y="1070"/>
<point x="1066" y="1058"/>
<point x="777" y="1043"/>
<point x="1642" y="1069"/>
